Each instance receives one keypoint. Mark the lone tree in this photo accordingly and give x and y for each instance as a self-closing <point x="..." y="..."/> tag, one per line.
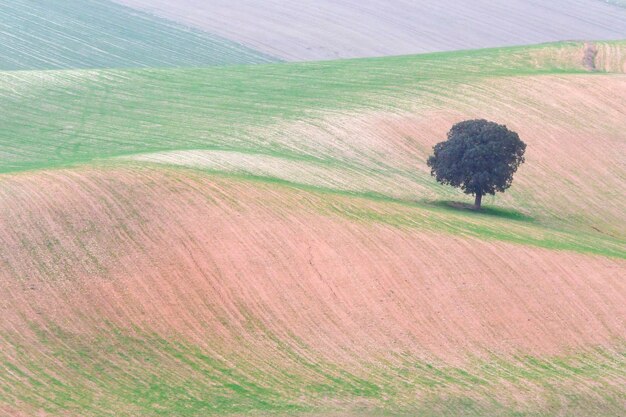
<point x="479" y="156"/>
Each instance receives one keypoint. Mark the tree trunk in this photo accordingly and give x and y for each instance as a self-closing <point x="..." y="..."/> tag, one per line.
<point x="478" y="200"/>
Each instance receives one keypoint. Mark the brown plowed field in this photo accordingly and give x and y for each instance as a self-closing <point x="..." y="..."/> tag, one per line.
<point x="202" y="257"/>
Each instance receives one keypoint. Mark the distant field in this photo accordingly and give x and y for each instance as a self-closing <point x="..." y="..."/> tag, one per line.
<point x="55" y="34"/>
<point x="267" y="239"/>
<point x="327" y="29"/>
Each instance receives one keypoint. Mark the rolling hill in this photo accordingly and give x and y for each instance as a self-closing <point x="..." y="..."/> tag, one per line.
<point x="57" y="34"/>
<point x="354" y="125"/>
<point x="304" y="30"/>
<point x="263" y="240"/>
<point x="133" y="290"/>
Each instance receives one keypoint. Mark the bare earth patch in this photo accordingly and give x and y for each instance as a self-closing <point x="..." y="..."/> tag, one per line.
<point x="283" y="288"/>
<point x="201" y="257"/>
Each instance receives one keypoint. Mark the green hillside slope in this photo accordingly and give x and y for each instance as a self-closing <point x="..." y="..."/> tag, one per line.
<point x="56" y="34"/>
<point x="55" y="118"/>
<point x="323" y="124"/>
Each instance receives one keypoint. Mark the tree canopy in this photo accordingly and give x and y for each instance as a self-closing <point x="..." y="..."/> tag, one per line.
<point x="480" y="157"/>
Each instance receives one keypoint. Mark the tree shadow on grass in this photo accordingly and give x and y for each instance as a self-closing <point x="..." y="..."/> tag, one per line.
<point x="486" y="211"/>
